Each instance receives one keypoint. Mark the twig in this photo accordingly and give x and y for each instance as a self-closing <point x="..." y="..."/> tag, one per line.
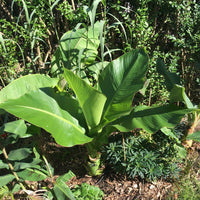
<point x="73" y="5"/>
<point x="12" y="169"/>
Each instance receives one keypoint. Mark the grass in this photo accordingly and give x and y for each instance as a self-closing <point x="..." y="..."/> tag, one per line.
<point x="188" y="185"/>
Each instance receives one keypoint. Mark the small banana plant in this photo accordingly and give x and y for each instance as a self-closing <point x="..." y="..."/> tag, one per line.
<point x="88" y="115"/>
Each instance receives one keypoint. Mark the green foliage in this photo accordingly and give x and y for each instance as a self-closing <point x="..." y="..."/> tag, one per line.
<point x="148" y="157"/>
<point x="86" y="114"/>
<point x="19" y="163"/>
<point x="94" y="113"/>
<point x="189" y="189"/>
<point x="77" y="50"/>
<point x="187" y="186"/>
<point x="6" y="193"/>
<point x="86" y="192"/>
<point x="195" y="136"/>
<point x="24" y="163"/>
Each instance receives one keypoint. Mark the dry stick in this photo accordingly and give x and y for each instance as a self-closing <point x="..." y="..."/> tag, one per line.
<point x="2" y="82"/>
<point x="150" y="93"/>
<point x="12" y="168"/>
<point x="39" y="54"/>
<point x="191" y="130"/>
<point x="73" y="5"/>
<point x="48" y="52"/>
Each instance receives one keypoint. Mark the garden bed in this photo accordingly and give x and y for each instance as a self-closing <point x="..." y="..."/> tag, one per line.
<point x="114" y="186"/>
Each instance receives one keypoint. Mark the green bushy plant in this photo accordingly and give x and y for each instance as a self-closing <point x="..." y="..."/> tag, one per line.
<point x="93" y="113"/>
<point x="90" y="112"/>
<point x="141" y="156"/>
<point x="21" y="162"/>
<point x="86" y="192"/>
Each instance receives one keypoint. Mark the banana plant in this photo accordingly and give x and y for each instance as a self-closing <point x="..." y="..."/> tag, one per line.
<point x="178" y="94"/>
<point x="88" y="115"/>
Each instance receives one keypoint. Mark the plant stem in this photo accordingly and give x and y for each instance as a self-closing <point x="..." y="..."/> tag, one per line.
<point x="93" y="160"/>
<point x="123" y="142"/>
<point x="12" y="168"/>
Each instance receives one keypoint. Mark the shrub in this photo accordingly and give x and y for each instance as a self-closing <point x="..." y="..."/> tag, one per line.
<point x="148" y="157"/>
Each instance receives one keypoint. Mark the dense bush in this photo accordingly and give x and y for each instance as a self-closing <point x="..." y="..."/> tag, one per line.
<point x="31" y="30"/>
<point x="145" y="156"/>
<point x="31" y="34"/>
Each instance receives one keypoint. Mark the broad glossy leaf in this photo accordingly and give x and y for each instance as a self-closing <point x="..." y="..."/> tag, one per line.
<point x="91" y="100"/>
<point x="32" y="175"/>
<point x="26" y="84"/>
<point x="41" y="110"/>
<point x="194" y="136"/>
<point x="61" y="191"/>
<point x="151" y="119"/>
<point x="66" y="177"/>
<point x="120" y="80"/>
<point x="71" y="44"/>
<point x="23" y="165"/>
<point x="68" y="103"/>
<point x="17" y="127"/>
<point x="3" y="165"/>
<point x="170" y="78"/>
<point x="6" y="179"/>
<point x="19" y="154"/>
<point x="178" y="94"/>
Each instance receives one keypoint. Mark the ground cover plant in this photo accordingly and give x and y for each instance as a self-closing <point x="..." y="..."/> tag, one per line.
<point x="102" y="80"/>
<point x="146" y="156"/>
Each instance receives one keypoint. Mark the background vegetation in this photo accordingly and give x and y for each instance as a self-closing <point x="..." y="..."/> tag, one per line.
<point x="30" y="33"/>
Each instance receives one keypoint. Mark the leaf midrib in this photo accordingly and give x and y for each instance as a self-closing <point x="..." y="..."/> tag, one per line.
<point x="49" y="113"/>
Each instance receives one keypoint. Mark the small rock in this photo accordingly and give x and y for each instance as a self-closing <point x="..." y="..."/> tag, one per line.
<point x="151" y="187"/>
<point x="135" y="186"/>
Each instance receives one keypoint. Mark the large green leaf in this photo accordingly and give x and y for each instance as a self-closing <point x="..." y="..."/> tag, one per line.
<point x="19" y="154"/>
<point x="61" y="191"/>
<point x="32" y="174"/>
<point x="120" y="80"/>
<point x="41" y="110"/>
<point x="3" y="165"/>
<point x="91" y="100"/>
<point x="25" y="84"/>
<point x="6" y="179"/>
<point x="170" y="78"/>
<point x="69" y="103"/>
<point x="178" y="94"/>
<point x="151" y="119"/>
<point x="17" y="127"/>
<point x="194" y="136"/>
<point x="76" y="47"/>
